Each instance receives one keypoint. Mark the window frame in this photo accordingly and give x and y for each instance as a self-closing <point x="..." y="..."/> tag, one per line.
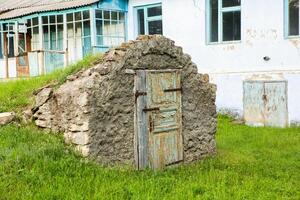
<point x="146" y="18"/>
<point x="119" y="21"/>
<point x="287" y="21"/>
<point x="221" y="10"/>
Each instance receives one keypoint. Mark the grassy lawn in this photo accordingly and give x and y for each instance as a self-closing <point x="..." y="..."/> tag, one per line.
<point x="252" y="163"/>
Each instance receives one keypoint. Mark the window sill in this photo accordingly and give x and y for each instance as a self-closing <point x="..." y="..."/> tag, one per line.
<point x="224" y="43"/>
<point x="292" y="37"/>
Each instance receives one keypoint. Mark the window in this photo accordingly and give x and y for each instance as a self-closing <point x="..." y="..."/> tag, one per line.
<point x="149" y="20"/>
<point x="79" y="34"/>
<point x="224" y="20"/>
<point x="110" y="28"/>
<point x="33" y="32"/>
<point x="53" y="32"/>
<point x="8" y="39"/>
<point x="292" y="17"/>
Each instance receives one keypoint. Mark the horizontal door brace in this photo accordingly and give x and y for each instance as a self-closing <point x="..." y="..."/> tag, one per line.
<point x="173" y="90"/>
<point x="151" y="109"/>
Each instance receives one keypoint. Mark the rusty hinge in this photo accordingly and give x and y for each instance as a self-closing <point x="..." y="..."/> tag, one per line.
<point x="173" y="90"/>
<point x="138" y="93"/>
<point x="151" y="109"/>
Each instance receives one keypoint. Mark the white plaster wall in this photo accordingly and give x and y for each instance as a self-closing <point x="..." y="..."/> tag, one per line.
<point x="2" y="69"/>
<point x="12" y="69"/>
<point x="230" y="63"/>
<point x="262" y="35"/>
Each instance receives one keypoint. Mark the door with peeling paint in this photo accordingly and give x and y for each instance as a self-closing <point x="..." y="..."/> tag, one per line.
<point x="158" y="119"/>
<point x="265" y="103"/>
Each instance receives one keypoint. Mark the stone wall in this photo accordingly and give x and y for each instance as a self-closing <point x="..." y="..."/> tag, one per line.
<point x="95" y="108"/>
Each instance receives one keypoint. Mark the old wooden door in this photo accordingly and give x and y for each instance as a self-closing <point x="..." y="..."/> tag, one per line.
<point x="158" y="119"/>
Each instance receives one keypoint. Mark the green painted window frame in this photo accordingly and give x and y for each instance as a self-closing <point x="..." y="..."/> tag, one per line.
<point x="287" y="21"/>
<point x="221" y="10"/>
<point x="146" y="18"/>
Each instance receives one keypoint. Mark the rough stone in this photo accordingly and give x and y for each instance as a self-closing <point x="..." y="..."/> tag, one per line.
<point x="27" y="116"/>
<point x="96" y="112"/>
<point x="6" y="118"/>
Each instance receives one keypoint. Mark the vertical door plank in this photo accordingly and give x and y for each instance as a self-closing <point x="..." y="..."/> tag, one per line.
<point x="141" y="120"/>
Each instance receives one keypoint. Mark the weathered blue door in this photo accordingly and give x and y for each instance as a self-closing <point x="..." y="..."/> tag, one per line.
<point x="265" y="103"/>
<point x="158" y="119"/>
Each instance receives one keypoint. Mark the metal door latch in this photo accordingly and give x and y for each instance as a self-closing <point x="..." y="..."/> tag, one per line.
<point x="151" y="109"/>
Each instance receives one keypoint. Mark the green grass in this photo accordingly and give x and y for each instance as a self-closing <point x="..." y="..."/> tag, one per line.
<point x="15" y="95"/>
<point x="252" y="163"/>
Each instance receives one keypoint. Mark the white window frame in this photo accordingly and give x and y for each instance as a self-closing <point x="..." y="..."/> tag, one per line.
<point x="221" y="10"/>
<point x="146" y="18"/>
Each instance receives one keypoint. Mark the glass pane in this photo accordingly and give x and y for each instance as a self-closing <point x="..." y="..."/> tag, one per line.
<point x="53" y="37"/>
<point x="141" y="22"/>
<point x="45" y="19"/>
<point x="70" y="17"/>
<point x="106" y="28"/>
<point x="78" y="16"/>
<point x="35" y="21"/>
<point x="70" y="30"/>
<point x="121" y="29"/>
<point x="52" y="19"/>
<point x="60" y="19"/>
<point x="11" y="47"/>
<point x="293" y="17"/>
<point x="99" y="14"/>
<point x="86" y="14"/>
<point x="114" y="15"/>
<point x="29" y="22"/>
<point x="100" y="41"/>
<point x="114" y="27"/>
<point x="99" y="27"/>
<point x="60" y="30"/>
<point x="154" y="11"/>
<point x="231" y="3"/>
<point x="35" y="30"/>
<point x="106" y="15"/>
<point x="122" y="16"/>
<point x="214" y="21"/>
<point x="86" y="28"/>
<point x="155" y="27"/>
<point x="78" y="29"/>
<point x="231" y="26"/>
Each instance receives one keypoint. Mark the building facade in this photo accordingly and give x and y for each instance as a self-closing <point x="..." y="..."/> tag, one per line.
<point x="250" y="48"/>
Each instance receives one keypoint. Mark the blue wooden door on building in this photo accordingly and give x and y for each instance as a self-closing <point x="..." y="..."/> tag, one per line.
<point x="158" y="119"/>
